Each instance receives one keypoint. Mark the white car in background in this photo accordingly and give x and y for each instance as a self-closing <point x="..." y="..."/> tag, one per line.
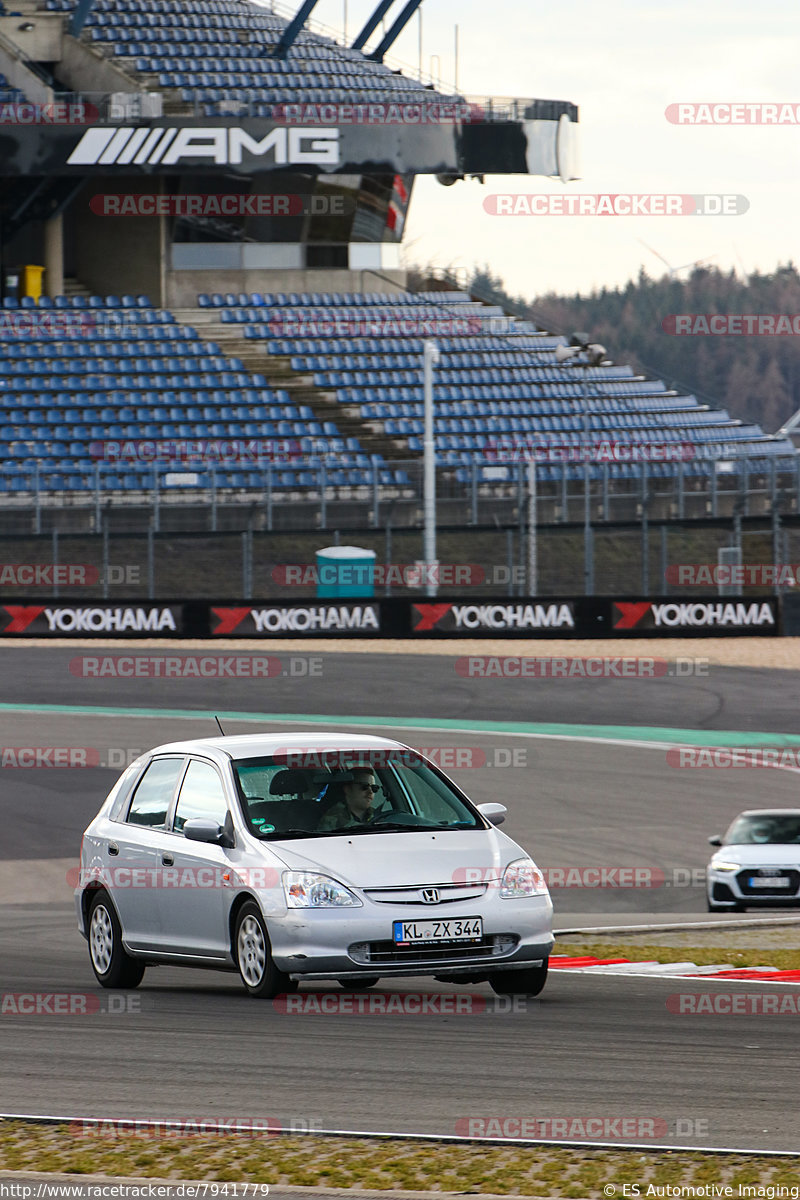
<point x="241" y="853"/>
<point x="757" y="864"/>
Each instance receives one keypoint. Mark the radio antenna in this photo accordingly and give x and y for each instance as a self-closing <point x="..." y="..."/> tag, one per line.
<point x="219" y="727"/>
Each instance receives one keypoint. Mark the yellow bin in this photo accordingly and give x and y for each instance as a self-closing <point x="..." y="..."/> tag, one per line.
<point x="32" y="282"/>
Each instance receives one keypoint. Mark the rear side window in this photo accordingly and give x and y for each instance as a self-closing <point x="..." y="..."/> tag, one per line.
<point x="123" y="787"/>
<point x="202" y="795"/>
<point x="153" y="796"/>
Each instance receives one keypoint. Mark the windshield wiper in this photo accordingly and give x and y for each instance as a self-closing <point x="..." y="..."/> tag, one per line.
<point x="278" y="835"/>
<point x="387" y="827"/>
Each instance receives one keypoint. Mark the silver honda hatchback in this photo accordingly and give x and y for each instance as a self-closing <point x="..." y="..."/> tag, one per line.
<point x="297" y="857"/>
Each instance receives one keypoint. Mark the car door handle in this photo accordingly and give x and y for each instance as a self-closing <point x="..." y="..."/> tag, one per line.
<point x="168" y="859"/>
<point x="113" y="848"/>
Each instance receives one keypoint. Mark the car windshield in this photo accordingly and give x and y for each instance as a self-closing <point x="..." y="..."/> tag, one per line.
<point x="764" y="828"/>
<point x="328" y="793"/>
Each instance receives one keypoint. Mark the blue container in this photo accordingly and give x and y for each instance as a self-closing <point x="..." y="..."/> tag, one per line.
<point x="345" y="571"/>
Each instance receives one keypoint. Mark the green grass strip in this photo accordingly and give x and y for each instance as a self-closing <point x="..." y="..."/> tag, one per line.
<point x="542" y="1171"/>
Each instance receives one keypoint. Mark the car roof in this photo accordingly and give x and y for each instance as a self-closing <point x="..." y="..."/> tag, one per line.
<point x="252" y="745"/>
<point x="768" y="812"/>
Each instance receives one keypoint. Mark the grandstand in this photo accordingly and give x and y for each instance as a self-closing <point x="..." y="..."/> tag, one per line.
<point x="127" y="373"/>
<point x="295" y="329"/>
<point x="157" y="46"/>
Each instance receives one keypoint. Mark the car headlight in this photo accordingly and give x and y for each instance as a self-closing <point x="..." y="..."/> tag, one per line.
<point x="303" y="889"/>
<point x="522" y="878"/>
<point x="722" y="865"/>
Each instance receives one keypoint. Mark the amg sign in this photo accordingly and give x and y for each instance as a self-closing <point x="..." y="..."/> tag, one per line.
<point x="221" y="145"/>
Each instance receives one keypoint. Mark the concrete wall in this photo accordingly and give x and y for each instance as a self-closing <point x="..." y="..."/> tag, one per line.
<point x="119" y="254"/>
<point x="14" y="69"/>
<point x="182" y="287"/>
<point x="40" y="44"/>
<point x="84" y="71"/>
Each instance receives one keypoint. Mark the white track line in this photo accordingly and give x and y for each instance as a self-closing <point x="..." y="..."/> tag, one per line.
<point x="678" y="927"/>
<point x="443" y="1139"/>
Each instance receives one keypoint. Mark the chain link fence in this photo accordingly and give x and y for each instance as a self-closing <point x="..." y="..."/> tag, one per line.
<point x="257" y="564"/>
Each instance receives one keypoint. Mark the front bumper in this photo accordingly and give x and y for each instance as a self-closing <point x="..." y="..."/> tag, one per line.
<point x="737" y="887"/>
<point x="325" y="943"/>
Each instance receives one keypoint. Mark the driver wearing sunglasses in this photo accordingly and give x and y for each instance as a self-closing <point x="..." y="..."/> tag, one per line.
<point x="353" y="802"/>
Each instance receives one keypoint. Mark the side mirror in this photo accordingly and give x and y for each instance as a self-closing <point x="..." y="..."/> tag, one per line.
<point x="495" y="813"/>
<point x="200" y="829"/>
<point x="716" y="840"/>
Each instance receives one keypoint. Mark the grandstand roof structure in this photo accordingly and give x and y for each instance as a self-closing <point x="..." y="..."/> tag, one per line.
<point x="166" y="85"/>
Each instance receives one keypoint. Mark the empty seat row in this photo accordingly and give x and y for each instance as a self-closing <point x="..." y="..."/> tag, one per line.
<point x="28" y="302"/>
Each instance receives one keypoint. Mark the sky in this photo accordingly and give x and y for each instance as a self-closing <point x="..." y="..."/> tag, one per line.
<point x="622" y="62"/>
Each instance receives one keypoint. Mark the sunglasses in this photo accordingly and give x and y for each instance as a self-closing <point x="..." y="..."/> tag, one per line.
<point x="372" y="787"/>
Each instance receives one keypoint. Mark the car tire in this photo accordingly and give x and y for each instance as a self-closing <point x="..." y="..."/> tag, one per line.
<point x="527" y="982"/>
<point x="731" y="908"/>
<point x="112" y="965"/>
<point x="359" y="985"/>
<point x="252" y="954"/>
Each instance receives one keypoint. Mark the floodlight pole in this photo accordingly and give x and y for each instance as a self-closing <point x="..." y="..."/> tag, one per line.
<point x="588" y="549"/>
<point x="593" y="355"/>
<point x="430" y="359"/>
<point x="533" y="582"/>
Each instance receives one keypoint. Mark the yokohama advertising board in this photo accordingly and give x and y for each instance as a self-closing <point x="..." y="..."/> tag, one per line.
<point x="273" y="619"/>
<point x="694" y="618"/>
<point x="565" y="618"/>
<point x="59" y="619"/>
<point x="499" y="617"/>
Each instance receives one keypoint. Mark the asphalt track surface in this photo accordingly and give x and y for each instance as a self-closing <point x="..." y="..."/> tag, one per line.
<point x="193" y="1045"/>
<point x="368" y="684"/>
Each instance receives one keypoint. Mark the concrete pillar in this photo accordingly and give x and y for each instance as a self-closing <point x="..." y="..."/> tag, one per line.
<point x="54" y="256"/>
